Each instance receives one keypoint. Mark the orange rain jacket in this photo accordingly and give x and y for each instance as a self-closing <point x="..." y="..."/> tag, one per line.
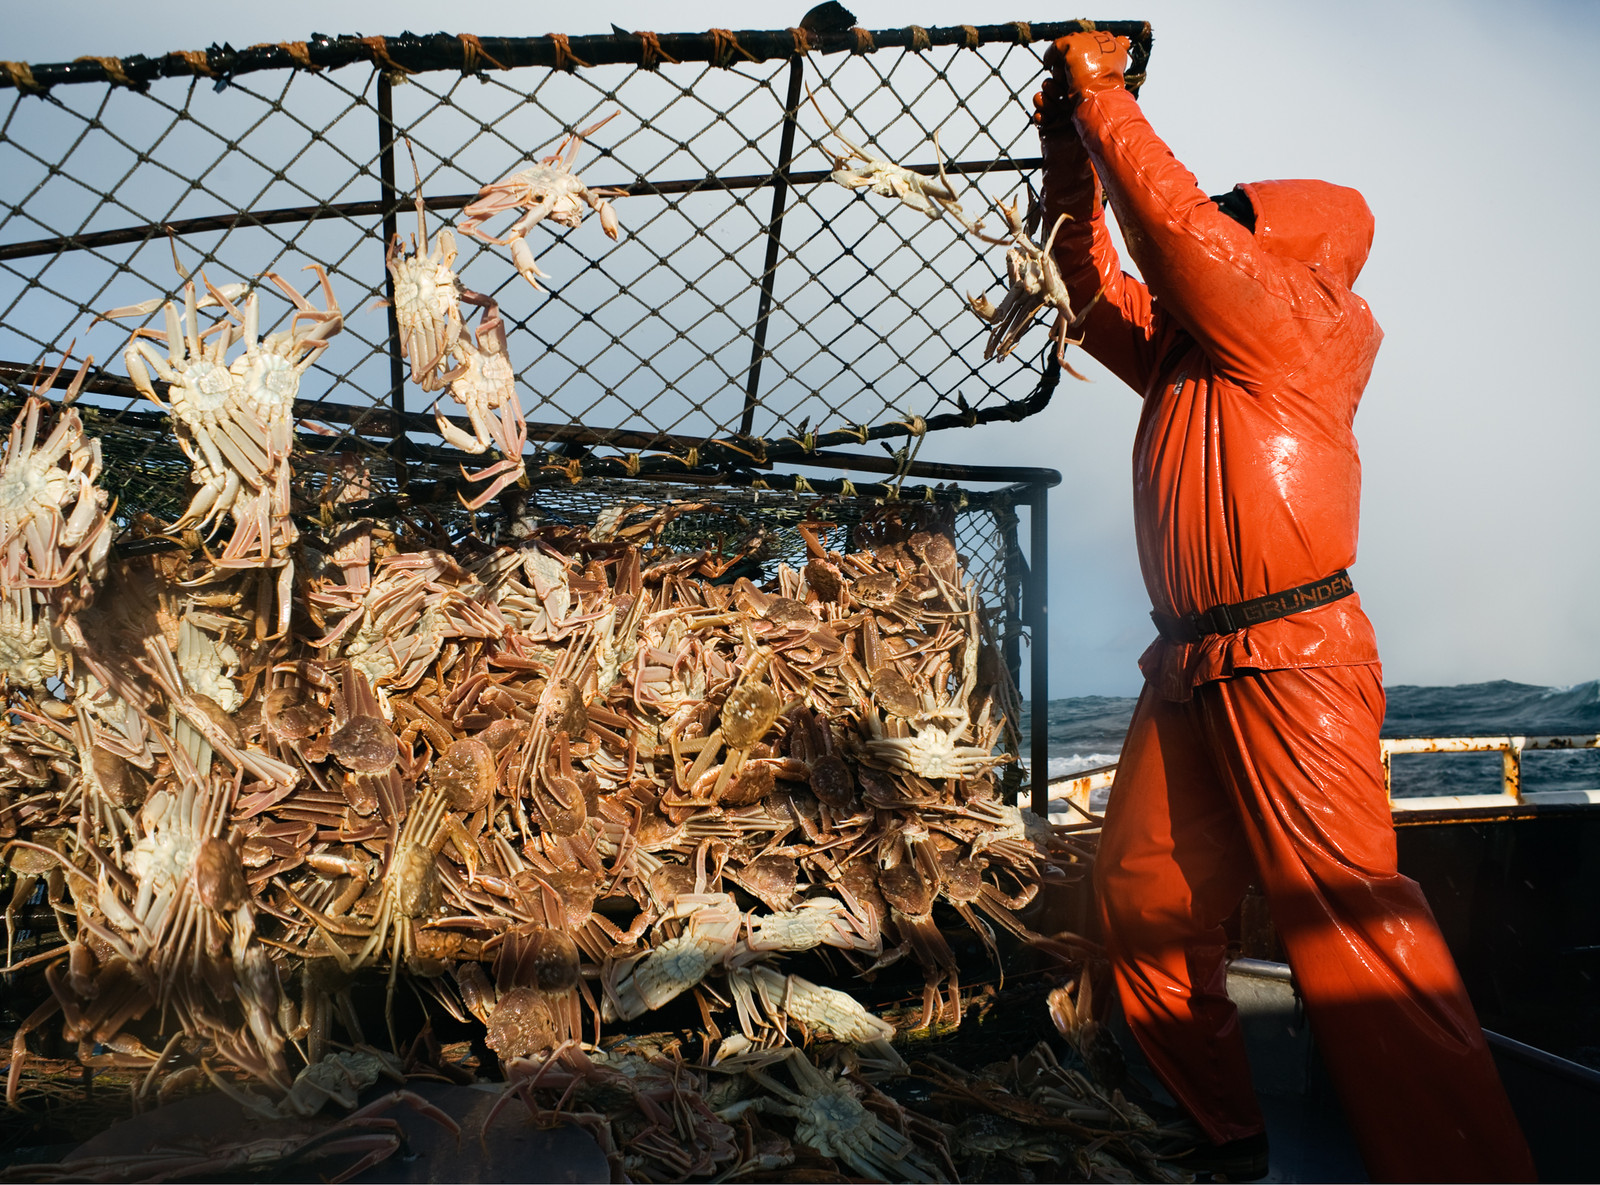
<point x="1251" y="363"/>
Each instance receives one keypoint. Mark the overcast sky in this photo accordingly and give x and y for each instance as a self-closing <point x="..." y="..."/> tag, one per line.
<point x="1472" y="128"/>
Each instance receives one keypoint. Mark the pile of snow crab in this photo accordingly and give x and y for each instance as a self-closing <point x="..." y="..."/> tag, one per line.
<point x="278" y="810"/>
<point x="551" y="792"/>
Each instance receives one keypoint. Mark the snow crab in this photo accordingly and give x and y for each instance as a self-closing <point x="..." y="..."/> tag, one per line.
<point x="636" y="986"/>
<point x="427" y="297"/>
<point x="484" y="383"/>
<point x="829" y="1117"/>
<point x="225" y="440"/>
<point x="43" y="544"/>
<point x="270" y="369"/>
<point x="932" y="196"/>
<point x="548" y="189"/>
<point x="409" y="891"/>
<point x="1035" y="284"/>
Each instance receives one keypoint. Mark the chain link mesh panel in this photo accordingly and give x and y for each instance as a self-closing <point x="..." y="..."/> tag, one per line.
<point x="648" y="344"/>
<point x="752" y="310"/>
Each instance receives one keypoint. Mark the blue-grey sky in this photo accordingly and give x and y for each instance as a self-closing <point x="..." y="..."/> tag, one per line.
<point x="1472" y="128"/>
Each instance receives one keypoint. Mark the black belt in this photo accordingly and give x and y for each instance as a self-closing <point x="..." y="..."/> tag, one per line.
<point x="1225" y="619"/>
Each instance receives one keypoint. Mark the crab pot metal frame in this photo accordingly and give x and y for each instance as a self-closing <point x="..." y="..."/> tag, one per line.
<point x="725" y="337"/>
<point x="646" y="352"/>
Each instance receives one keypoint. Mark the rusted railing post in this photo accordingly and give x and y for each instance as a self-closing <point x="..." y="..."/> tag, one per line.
<point x="1511" y="767"/>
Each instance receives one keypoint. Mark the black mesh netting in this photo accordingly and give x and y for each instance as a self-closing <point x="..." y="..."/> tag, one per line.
<point x="646" y="351"/>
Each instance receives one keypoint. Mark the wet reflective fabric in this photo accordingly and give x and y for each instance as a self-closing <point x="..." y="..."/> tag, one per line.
<point x="1251" y="363"/>
<point x="1256" y="753"/>
<point x="1275" y="774"/>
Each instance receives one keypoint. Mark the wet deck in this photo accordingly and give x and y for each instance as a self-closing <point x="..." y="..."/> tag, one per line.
<point x="1556" y="1100"/>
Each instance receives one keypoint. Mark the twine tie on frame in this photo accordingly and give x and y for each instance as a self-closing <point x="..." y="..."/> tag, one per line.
<point x="378" y="47"/>
<point x="472" y="53"/>
<point x="195" y="61"/>
<point x="21" y="77"/>
<point x="724" y="46"/>
<point x="565" y="58"/>
<point x="116" y="75"/>
<point x="651" y="55"/>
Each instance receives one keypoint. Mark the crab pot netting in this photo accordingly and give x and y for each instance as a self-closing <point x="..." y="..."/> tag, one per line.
<point x="982" y="524"/>
<point x="756" y="529"/>
<point x="652" y="335"/>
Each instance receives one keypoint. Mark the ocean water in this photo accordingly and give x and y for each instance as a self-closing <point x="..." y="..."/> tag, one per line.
<point x="1087" y="731"/>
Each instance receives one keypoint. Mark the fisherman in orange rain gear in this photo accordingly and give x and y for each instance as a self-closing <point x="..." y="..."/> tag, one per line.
<point x="1253" y="753"/>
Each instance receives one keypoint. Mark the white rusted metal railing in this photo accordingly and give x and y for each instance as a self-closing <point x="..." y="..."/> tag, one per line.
<point x="1074" y="791"/>
<point x="1510" y="748"/>
<point x="1070" y="795"/>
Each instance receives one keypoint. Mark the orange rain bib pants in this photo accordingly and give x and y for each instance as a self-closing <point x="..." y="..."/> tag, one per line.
<point x="1255" y="754"/>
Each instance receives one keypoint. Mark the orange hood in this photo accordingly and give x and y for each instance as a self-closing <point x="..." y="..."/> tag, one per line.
<point x="1314" y="222"/>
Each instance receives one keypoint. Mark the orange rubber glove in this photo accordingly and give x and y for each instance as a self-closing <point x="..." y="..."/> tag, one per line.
<point x="1084" y="64"/>
<point x="1052" y="111"/>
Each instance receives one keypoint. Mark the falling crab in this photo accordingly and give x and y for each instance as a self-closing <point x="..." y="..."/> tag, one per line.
<point x="933" y="196"/>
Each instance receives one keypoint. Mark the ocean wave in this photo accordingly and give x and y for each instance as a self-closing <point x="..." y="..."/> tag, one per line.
<point x="1500" y="706"/>
<point x="1088" y="731"/>
<point x="1061" y="767"/>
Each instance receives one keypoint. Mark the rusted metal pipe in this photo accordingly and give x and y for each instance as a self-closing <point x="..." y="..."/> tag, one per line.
<point x="1489" y="744"/>
<point x="1077" y="787"/>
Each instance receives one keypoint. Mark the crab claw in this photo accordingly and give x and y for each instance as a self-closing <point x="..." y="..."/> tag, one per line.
<point x="140" y="374"/>
<point x="608" y="219"/>
<point x="461" y="440"/>
<point x="983" y="306"/>
<point x="522" y="256"/>
<point x="1013" y="218"/>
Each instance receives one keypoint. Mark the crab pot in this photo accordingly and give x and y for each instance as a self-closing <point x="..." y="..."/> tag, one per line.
<point x="489" y="622"/>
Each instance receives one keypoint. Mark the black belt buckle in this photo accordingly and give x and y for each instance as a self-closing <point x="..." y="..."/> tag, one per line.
<point x="1176" y="629"/>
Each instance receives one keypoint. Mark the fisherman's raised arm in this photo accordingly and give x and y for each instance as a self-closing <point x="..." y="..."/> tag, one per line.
<point x="1258" y="314"/>
<point x="1120" y="327"/>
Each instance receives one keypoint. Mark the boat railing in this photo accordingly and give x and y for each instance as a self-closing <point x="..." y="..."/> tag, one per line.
<point x="1071" y="795"/>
